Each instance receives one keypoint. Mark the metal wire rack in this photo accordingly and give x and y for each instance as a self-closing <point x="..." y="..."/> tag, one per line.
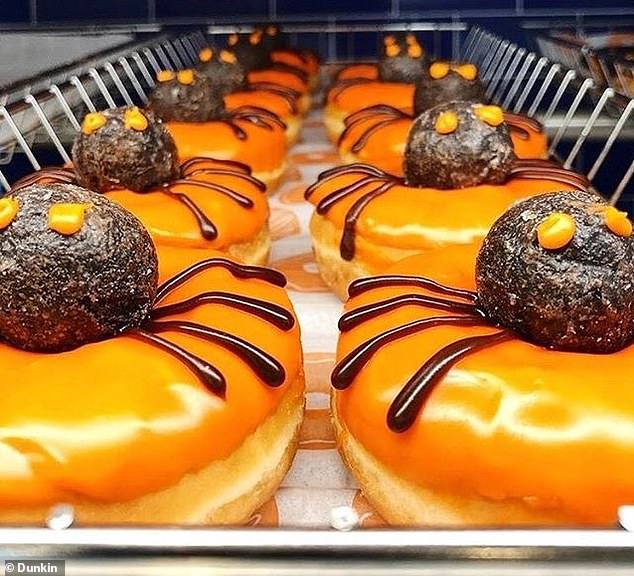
<point x="587" y="122"/>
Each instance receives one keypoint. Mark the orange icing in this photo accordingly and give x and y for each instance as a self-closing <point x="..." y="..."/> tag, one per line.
<point x="416" y="218"/>
<point x="167" y="75"/>
<point x="438" y="70"/>
<point x="392" y="50"/>
<point x="8" y="210"/>
<point x="262" y="149"/>
<point x="385" y="147"/>
<point x="267" y="100"/>
<point x="185" y="77"/>
<point x="292" y="59"/>
<point x="118" y="419"/>
<point x="92" y="122"/>
<point x="368" y="71"/>
<point x="205" y="55"/>
<point x="281" y="77"/>
<point x="556" y="231"/>
<point x="414" y="51"/>
<point x="355" y="97"/>
<point x="134" y="119"/>
<point x="228" y="57"/>
<point x="467" y="71"/>
<point x="491" y="115"/>
<point x="514" y="421"/>
<point x="67" y="219"/>
<point x="170" y="222"/>
<point x="618" y="222"/>
<point x="446" y="123"/>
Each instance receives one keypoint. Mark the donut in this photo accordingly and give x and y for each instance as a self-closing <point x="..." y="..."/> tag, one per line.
<point x="229" y="78"/>
<point x="403" y="63"/>
<point x="130" y="156"/>
<point x="196" y="117"/>
<point x="377" y="135"/>
<point x="478" y="402"/>
<point x="138" y="390"/>
<point x="461" y="173"/>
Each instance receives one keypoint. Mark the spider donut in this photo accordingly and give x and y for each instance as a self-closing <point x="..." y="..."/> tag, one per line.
<point x="499" y="399"/>
<point x="196" y="117"/>
<point x="229" y="78"/>
<point x="402" y="65"/>
<point x="377" y="135"/>
<point x="461" y="173"/>
<point x="138" y="390"/>
<point x="128" y="155"/>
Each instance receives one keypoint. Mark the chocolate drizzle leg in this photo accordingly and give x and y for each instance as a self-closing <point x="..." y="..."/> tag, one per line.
<point x="385" y="115"/>
<point x="362" y="285"/>
<point x="409" y="401"/>
<point x="545" y="170"/>
<point x="522" y="125"/>
<point x="54" y="174"/>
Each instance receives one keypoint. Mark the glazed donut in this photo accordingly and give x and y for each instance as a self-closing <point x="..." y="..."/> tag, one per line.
<point x="195" y="115"/>
<point x="461" y="173"/>
<point x="135" y="365"/>
<point x="456" y="405"/>
<point x="377" y="135"/>
<point x="129" y="156"/>
<point x="229" y="78"/>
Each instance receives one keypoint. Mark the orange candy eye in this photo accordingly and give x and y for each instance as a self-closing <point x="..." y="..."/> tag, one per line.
<point x="491" y="115"/>
<point x="67" y="219"/>
<point x="228" y="57"/>
<point x="92" y="122"/>
<point x="392" y="50"/>
<point x="446" y="123"/>
<point x="389" y="40"/>
<point x="206" y="54"/>
<point x="410" y="39"/>
<point x="271" y="30"/>
<point x="618" y="222"/>
<point x="166" y="75"/>
<point x="8" y="211"/>
<point x="467" y="71"/>
<point x="438" y="70"/>
<point x="414" y="51"/>
<point x="255" y="38"/>
<point x="135" y="120"/>
<point x="185" y="77"/>
<point x="233" y="40"/>
<point x="556" y="231"/>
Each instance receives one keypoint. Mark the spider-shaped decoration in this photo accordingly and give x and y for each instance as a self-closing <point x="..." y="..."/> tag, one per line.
<point x="125" y="148"/>
<point x="555" y="271"/>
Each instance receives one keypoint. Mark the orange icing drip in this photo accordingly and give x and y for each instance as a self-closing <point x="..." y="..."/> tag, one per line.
<point x="92" y="122"/>
<point x="228" y="57"/>
<point x="414" y="219"/>
<point x="618" y="222"/>
<point x="146" y="420"/>
<point x="446" y="123"/>
<point x="415" y="51"/>
<point x="185" y="77"/>
<point x="392" y="50"/>
<point x="556" y="231"/>
<point x="467" y="71"/>
<point x="233" y="40"/>
<point x="167" y="75"/>
<point x="438" y="70"/>
<point x="491" y="115"/>
<point x="521" y="418"/>
<point x="134" y="119"/>
<point x="8" y="210"/>
<point x="67" y="219"/>
<point x="205" y="55"/>
<point x="171" y="223"/>
<point x="262" y="149"/>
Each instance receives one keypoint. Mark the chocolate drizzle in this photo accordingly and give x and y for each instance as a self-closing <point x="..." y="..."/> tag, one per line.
<point x="522" y="125"/>
<point x="288" y="94"/>
<point x="408" y="403"/>
<point x="369" y="175"/>
<point x="187" y="172"/>
<point x="342" y="85"/>
<point x="384" y="114"/>
<point x="267" y="368"/>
